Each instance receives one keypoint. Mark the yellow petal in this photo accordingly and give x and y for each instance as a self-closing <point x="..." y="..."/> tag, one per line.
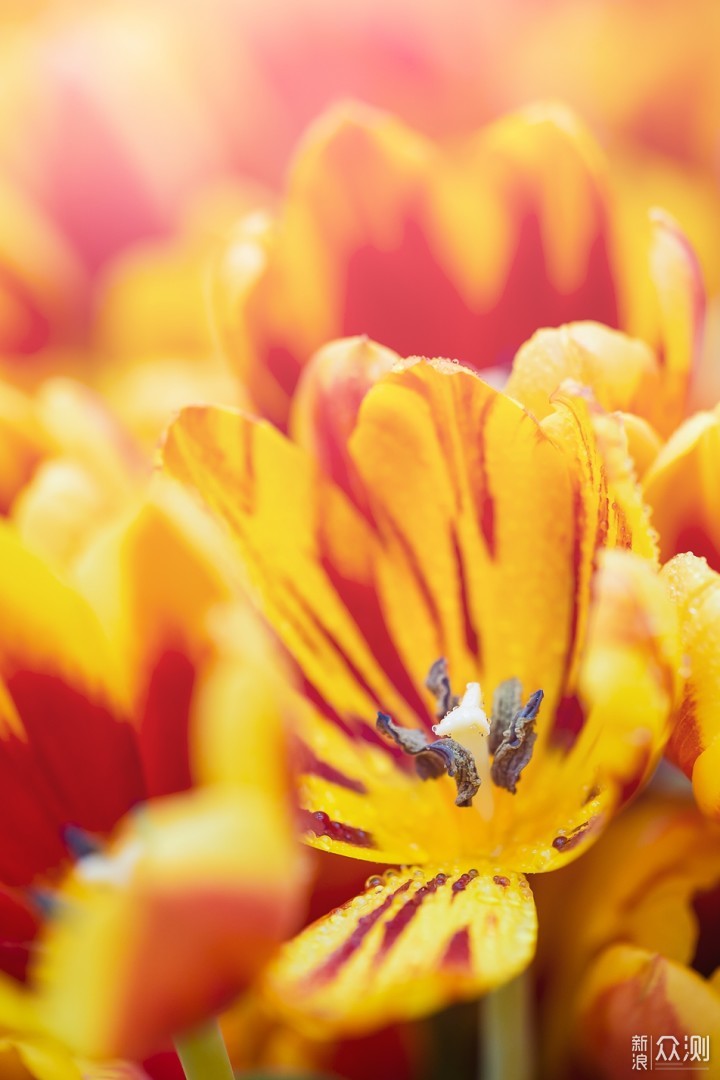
<point x="453" y="471"/>
<point x="23" y="442"/>
<point x="412" y="943"/>
<point x="678" y="284"/>
<point x="621" y="371"/>
<point x="361" y="801"/>
<point x="39" y="1060"/>
<point x="608" y="734"/>
<point x="695" y="741"/>
<point x="681" y="489"/>
<point x="309" y="552"/>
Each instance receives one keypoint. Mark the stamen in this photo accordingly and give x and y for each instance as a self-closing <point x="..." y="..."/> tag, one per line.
<point x="507" y="703"/>
<point x="434" y="759"/>
<point x="516" y="747"/>
<point x="438" y="683"/>
<point x="467" y="738"/>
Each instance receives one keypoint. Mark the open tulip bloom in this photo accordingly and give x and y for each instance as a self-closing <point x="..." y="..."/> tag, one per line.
<point x="488" y="657"/>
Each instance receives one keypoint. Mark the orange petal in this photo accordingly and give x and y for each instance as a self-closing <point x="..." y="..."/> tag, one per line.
<point x="412" y="943"/>
<point x="695" y="742"/>
<point x="681" y="489"/>
<point x="170" y="924"/>
<point x="630" y="992"/>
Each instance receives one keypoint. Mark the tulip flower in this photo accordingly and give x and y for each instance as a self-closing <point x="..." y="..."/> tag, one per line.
<point x="461" y="253"/>
<point x="630" y="959"/>
<point x="138" y="865"/>
<point x="474" y="543"/>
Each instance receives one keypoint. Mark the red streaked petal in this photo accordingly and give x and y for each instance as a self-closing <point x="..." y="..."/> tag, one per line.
<point x="413" y="942"/>
<point x="67" y="754"/>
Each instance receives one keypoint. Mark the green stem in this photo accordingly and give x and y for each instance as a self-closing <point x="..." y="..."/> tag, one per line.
<point x="506" y="1029"/>
<point x="203" y="1055"/>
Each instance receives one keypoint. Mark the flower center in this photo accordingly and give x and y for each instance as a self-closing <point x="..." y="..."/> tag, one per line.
<point x="468" y="725"/>
<point x="467" y="738"/>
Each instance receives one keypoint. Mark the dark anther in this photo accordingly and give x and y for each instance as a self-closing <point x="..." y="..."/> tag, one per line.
<point x="434" y="759"/>
<point x="410" y="740"/>
<point x="516" y="746"/>
<point x="438" y="683"/>
<point x="79" y="843"/>
<point x="507" y="703"/>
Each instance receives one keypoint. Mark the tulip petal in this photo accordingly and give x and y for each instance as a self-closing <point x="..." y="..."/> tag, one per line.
<point x="681" y="489"/>
<point x="412" y="943"/>
<point x="631" y="991"/>
<point x="67" y="754"/>
<point x="695" y="742"/>
<point x="621" y="371"/>
<point x="327" y="402"/>
<point x="154" y="581"/>
<point x="361" y="800"/>
<point x="670" y="857"/>
<point x="309" y="553"/>
<point x="606" y="737"/>
<point x="125" y="959"/>
<point x="678" y="283"/>
<point x="454" y="472"/>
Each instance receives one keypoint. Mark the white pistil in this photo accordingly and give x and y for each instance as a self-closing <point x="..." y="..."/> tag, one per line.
<point x="114" y="869"/>
<point x="468" y="724"/>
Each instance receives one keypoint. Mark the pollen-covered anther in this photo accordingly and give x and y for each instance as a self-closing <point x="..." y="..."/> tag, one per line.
<point x="438" y="683"/>
<point x="512" y="746"/>
<point x="435" y="759"/>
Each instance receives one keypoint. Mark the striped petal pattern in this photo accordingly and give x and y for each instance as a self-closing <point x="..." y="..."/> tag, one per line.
<point x="415" y="940"/>
<point x="375" y="213"/>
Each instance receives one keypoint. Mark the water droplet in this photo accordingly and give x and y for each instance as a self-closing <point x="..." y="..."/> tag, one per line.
<point x="373" y="882"/>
